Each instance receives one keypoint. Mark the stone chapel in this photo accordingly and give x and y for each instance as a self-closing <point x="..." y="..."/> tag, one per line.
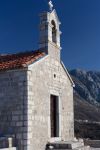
<point x="36" y="92"/>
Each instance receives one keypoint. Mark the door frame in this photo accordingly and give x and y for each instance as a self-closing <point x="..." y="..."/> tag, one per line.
<point x="53" y="139"/>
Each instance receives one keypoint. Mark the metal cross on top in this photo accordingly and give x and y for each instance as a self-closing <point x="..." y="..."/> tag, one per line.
<point x="50" y="5"/>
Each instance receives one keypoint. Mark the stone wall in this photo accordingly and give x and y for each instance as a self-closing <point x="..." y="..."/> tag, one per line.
<point x="92" y="143"/>
<point x="46" y="77"/>
<point x="11" y="148"/>
<point x="13" y="105"/>
<point x="25" y="103"/>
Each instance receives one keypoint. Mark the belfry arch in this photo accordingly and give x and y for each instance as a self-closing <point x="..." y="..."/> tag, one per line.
<point x="54" y="32"/>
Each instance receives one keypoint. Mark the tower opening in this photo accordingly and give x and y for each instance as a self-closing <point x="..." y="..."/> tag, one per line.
<point x="54" y="32"/>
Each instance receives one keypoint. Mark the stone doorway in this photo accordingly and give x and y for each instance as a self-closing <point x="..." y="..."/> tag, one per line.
<point x="54" y="115"/>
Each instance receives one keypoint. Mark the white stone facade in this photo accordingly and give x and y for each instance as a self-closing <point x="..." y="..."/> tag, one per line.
<point x="25" y="94"/>
<point x="41" y="84"/>
<point x="25" y="103"/>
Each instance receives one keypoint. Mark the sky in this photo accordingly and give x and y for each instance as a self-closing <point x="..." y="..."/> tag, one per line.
<point x="80" y="26"/>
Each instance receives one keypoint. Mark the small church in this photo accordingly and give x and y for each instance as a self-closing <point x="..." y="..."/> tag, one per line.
<point x="36" y="93"/>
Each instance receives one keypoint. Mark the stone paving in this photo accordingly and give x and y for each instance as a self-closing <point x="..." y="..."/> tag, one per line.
<point x="95" y="148"/>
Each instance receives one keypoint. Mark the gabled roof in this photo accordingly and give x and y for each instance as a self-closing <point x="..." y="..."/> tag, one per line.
<point x="22" y="60"/>
<point x="19" y="60"/>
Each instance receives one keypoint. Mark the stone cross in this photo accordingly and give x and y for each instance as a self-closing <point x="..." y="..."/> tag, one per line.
<point x="50" y="5"/>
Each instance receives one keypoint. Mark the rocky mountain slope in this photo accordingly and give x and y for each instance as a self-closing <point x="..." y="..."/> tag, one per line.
<point x="87" y="85"/>
<point x="86" y="94"/>
<point x="87" y="103"/>
<point x="84" y="110"/>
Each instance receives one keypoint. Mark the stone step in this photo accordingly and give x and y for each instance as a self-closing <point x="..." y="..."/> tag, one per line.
<point x="79" y="148"/>
<point x="65" y="145"/>
<point x="83" y="148"/>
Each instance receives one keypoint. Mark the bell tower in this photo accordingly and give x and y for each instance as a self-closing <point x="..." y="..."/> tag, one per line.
<point x="50" y="32"/>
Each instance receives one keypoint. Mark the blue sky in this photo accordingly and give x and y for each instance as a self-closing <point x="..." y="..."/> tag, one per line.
<point x="80" y="40"/>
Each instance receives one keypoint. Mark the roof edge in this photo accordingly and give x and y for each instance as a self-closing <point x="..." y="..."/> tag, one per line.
<point x="38" y="60"/>
<point x="72" y="82"/>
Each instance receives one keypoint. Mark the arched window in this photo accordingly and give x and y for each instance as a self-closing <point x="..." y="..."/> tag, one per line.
<point x="54" y="32"/>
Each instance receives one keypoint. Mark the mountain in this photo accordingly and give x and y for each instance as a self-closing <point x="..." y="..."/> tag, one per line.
<point x="87" y="85"/>
<point x="86" y="103"/>
<point x="84" y="110"/>
<point x="86" y="94"/>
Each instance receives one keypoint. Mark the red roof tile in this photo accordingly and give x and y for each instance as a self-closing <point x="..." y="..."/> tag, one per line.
<point x="20" y="60"/>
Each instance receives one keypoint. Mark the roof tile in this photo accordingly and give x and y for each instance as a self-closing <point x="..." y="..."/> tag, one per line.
<point x="19" y="60"/>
